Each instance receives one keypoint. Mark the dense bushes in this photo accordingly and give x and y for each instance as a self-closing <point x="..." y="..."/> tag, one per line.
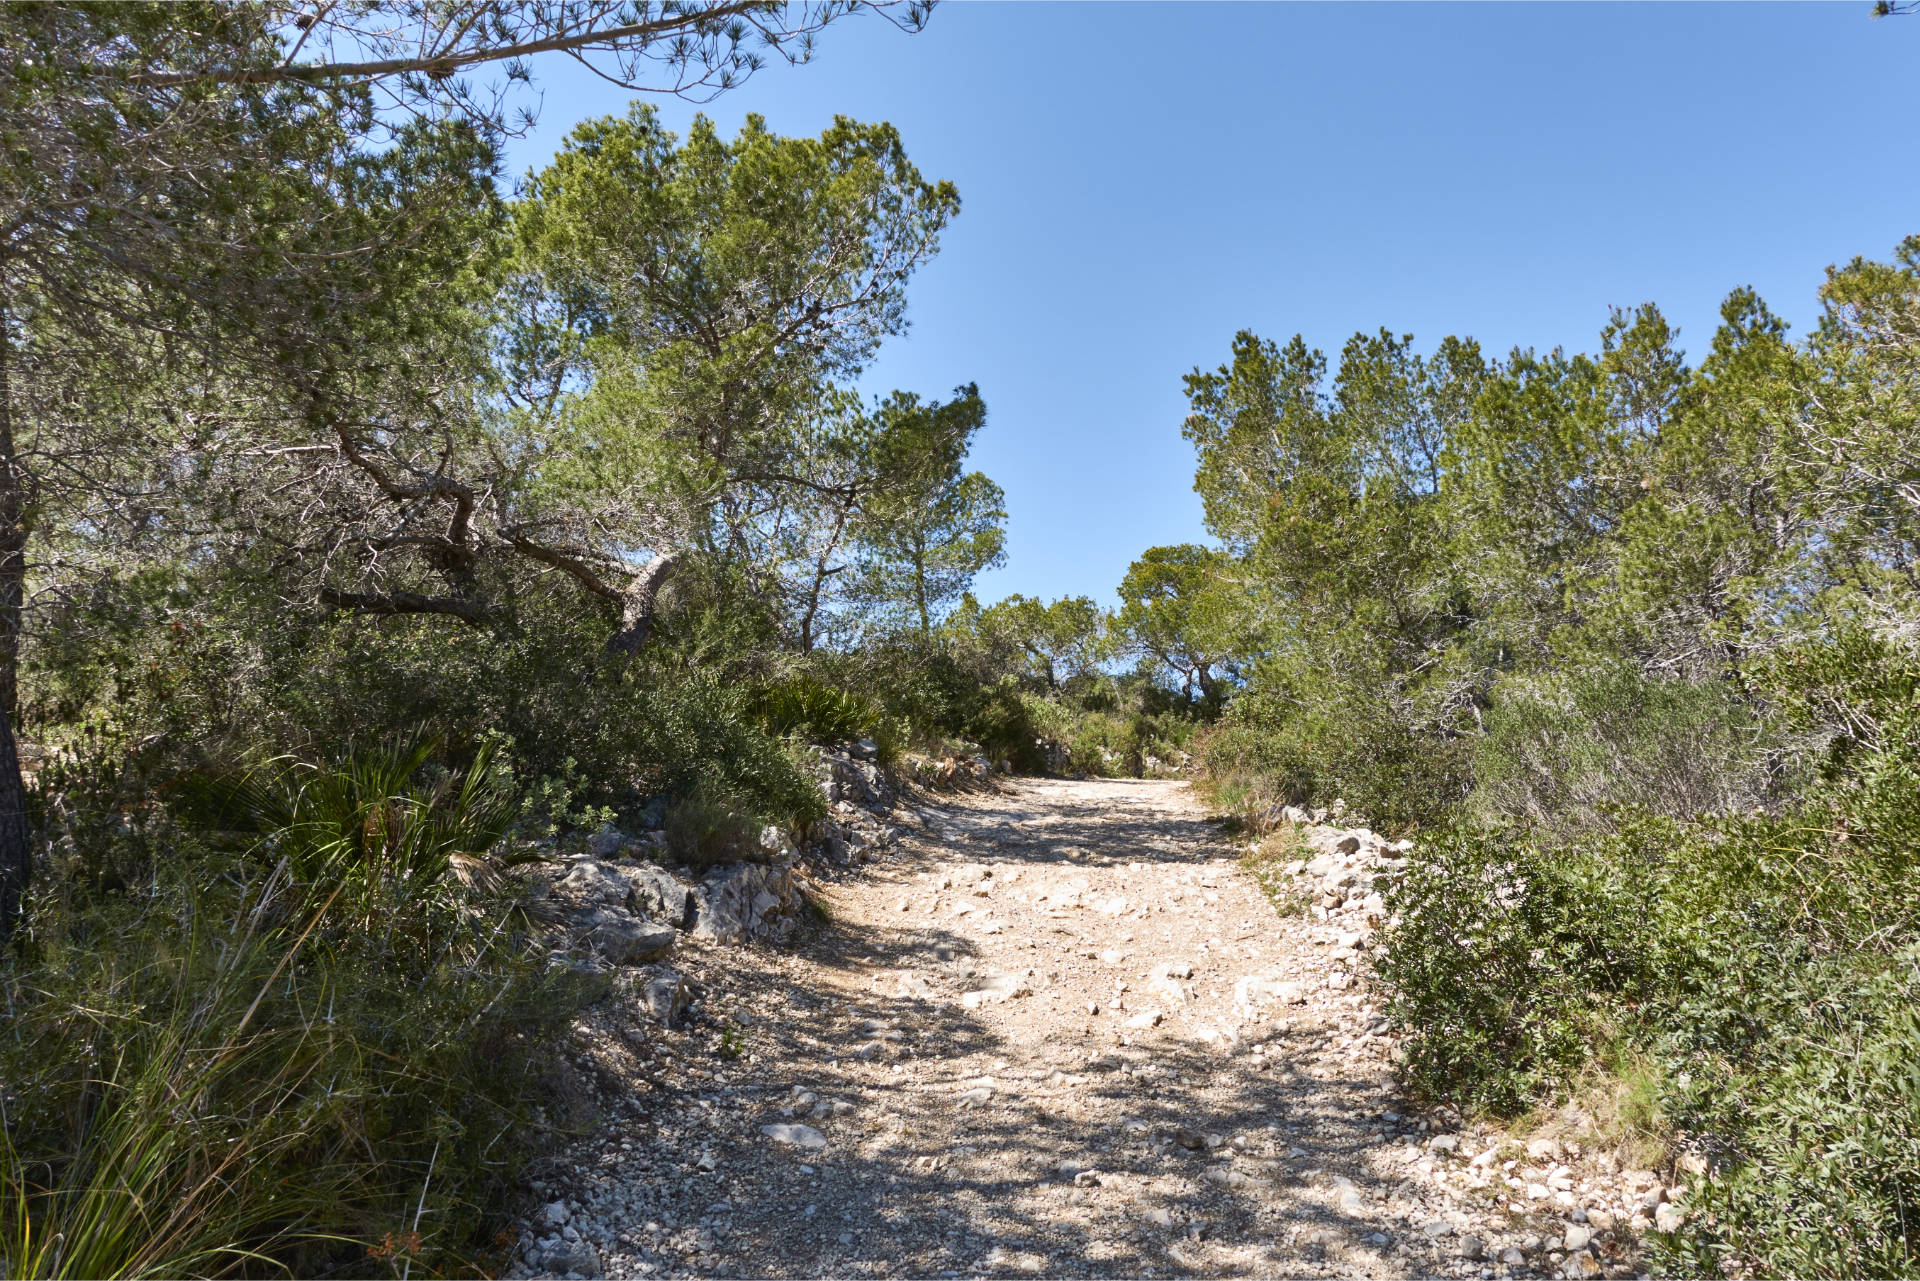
<point x="319" y="1051"/>
<point x="1270" y="750"/>
<point x="929" y="699"/>
<point x="1631" y="645"/>
<point x="1492" y="967"/>
<point x="1117" y="728"/>
<point x="1766" y="964"/>
<point x="1563" y="750"/>
<point x="584" y="732"/>
<point x="379" y="523"/>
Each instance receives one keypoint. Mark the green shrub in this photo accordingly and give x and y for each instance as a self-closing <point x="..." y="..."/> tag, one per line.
<point x="230" y="1075"/>
<point x="322" y="688"/>
<point x="807" y="707"/>
<point x="707" y="826"/>
<point x="1767" y="966"/>
<point x="310" y="1038"/>
<point x="382" y="814"/>
<point x="1338" y="743"/>
<point x="1500" y="968"/>
<point x="1003" y="725"/>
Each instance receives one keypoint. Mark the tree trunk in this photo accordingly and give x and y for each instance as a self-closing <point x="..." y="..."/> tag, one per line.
<point x="13" y="533"/>
<point x="636" y="608"/>
<point x="920" y="583"/>
<point x="16" y="855"/>
<point x="821" y="574"/>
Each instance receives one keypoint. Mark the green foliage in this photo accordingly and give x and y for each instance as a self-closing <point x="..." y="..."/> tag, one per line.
<point x="1052" y="643"/>
<point x="1566" y="751"/>
<point x="1341" y="740"/>
<point x="1180" y="607"/>
<point x="1001" y="722"/>
<point x="656" y="726"/>
<point x="379" y="815"/>
<point x="555" y="498"/>
<point x="230" y="1073"/>
<point x="1491" y="968"/>
<point x="710" y="825"/>
<point x="931" y="527"/>
<point x="1116" y="736"/>
<point x="819" y="713"/>
<point x="932" y="698"/>
<point x="1767" y="964"/>
<point x="1631" y="644"/>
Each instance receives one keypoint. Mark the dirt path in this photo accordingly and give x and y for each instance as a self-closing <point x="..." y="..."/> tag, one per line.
<point x="1014" y="1047"/>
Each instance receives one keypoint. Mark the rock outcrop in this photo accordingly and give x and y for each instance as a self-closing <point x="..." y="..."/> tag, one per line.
<point x="620" y="904"/>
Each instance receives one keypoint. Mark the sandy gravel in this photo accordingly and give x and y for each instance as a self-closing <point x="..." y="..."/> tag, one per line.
<point x="1013" y="1047"/>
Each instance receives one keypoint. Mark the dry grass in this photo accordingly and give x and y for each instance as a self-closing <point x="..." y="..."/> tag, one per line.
<point x="1269" y="860"/>
<point x="1613" y="1107"/>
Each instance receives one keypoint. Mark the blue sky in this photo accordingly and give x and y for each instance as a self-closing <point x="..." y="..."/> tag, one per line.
<point x="1139" y="181"/>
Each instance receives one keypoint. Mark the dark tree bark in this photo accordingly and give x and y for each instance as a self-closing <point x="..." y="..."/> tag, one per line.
<point x="16" y="855"/>
<point x="13" y="535"/>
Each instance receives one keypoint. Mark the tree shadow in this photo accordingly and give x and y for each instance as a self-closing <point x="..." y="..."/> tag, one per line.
<point x="1056" y="1166"/>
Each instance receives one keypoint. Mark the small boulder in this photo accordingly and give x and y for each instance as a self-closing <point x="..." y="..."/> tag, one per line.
<point x="795" y="1136"/>
<point x="995" y="988"/>
<point x="659" y="896"/>
<point x="666" y="997"/>
<point x="1254" y="991"/>
<point x="745" y="900"/>
<point x="577" y="1257"/>
<point x="607" y="842"/>
<point x="622" y="937"/>
<point x="595" y="882"/>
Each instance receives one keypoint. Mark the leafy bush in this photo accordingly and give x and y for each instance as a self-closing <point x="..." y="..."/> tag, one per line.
<point x="1106" y="741"/>
<point x="384" y="814"/>
<point x="707" y="826"/>
<point x="622" y="734"/>
<point x="1497" y="968"/>
<point x="1003" y="725"/>
<point x="1767" y="966"/>
<point x="1338" y="743"/>
<point x="805" y="706"/>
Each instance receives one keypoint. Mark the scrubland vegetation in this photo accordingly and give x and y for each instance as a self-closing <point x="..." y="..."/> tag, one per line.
<point x="1627" y="644"/>
<point x="363" y="528"/>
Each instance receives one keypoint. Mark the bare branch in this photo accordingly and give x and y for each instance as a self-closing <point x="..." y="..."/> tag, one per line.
<point x="393" y="603"/>
<point x="443" y="63"/>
